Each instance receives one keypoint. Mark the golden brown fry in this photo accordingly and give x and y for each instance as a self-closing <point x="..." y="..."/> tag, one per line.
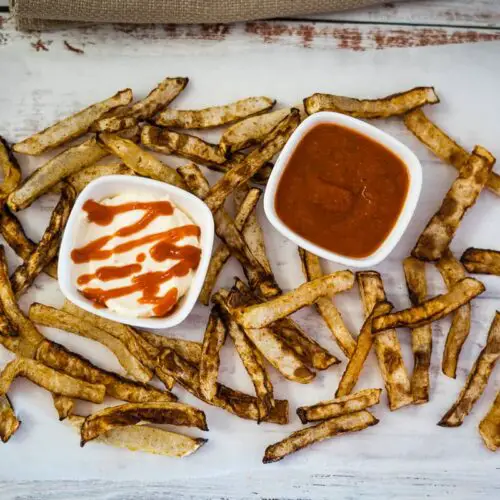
<point x="311" y="268"/>
<point x="188" y="349"/>
<point x="10" y="169"/>
<point x="432" y="309"/>
<point x="222" y="252"/>
<point x="139" y="160"/>
<point x="329" y="428"/>
<point x="481" y="261"/>
<point x="226" y="230"/>
<point x="340" y="406"/>
<point x="13" y="233"/>
<point x="55" y="318"/>
<point x="52" y="380"/>
<point x="71" y="127"/>
<point x="48" y="247"/>
<point x="253" y="162"/>
<point x="54" y="170"/>
<point x="184" y="145"/>
<point x="452" y="271"/>
<point x="132" y="413"/>
<point x="421" y="337"/>
<point x="363" y="346"/>
<point x="8" y="420"/>
<point x="443" y="146"/>
<point x="214" y="116"/>
<point x="489" y="428"/>
<point x="80" y="179"/>
<point x="391" y="105"/>
<point x="148" y="439"/>
<point x="386" y="344"/>
<point x="477" y="379"/>
<point x="462" y="195"/>
<point x="250" y="131"/>
<point x="213" y="340"/>
<point x="238" y="403"/>
<point x="114" y="121"/>
<point x="259" y="315"/>
<point x="63" y="405"/>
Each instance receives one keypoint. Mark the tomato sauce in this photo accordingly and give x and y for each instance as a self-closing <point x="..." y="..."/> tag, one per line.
<point x="342" y="190"/>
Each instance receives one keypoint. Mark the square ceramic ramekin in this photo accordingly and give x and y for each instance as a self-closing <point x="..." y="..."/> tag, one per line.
<point x="115" y="184"/>
<point x="403" y="152"/>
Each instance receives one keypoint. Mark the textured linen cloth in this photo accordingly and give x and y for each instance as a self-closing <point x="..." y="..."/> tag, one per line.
<point x="40" y="14"/>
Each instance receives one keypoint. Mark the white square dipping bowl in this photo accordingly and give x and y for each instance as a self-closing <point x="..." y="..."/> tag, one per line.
<point x="115" y="184"/>
<point x="403" y="152"/>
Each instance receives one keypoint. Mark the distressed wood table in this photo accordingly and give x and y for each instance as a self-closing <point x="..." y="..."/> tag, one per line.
<point x="453" y="45"/>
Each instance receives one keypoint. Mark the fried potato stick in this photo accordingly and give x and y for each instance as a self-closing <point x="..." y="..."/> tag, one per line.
<point x="340" y="406"/>
<point x="392" y="105"/>
<point x="432" y="309"/>
<point x="55" y="170"/>
<point x="71" y="127"/>
<point x="481" y="261"/>
<point x="8" y="420"/>
<point x="421" y="336"/>
<point x="443" y="146"/>
<point x="329" y="428"/>
<point x="462" y="195"/>
<point x="55" y="318"/>
<point x="145" y="438"/>
<point x="48" y="248"/>
<point x="452" y="271"/>
<point x="139" y="160"/>
<point x="253" y="162"/>
<point x="10" y="169"/>
<point x="51" y="380"/>
<point x="132" y="413"/>
<point x="63" y="405"/>
<point x="82" y="178"/>
<point x="250" y="131"/>
<point x="222" y="252"/>
<point x="477" y="379"/>
<point x="489" y="428"/>
<point x="311" y="268"/>
<point x="259" y="315"/>
<point x="188" y="349"/>
<point x="213" y="340"/>
<point x="363" y="346"/>
<point x="214" y="116"/>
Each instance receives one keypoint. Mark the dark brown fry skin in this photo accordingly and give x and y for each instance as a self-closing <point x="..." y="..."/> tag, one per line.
<point x="133" y="413"/>
<point x="48" y="247"/>
<point x="452" y="271"/>
<point x="481" y="261"/>
<point x="254" y="161"/>
<point x="477" y="379"/>
<point x="8" y="420"/>
<point x="329" y="428"/>
<point x="443" y="146"/>
<point x="363" y="346"/>
<point x="63" y="405"/>
<point x="311" y="268"/>
<point x="227" y="232"/>
<point x="462" y="195"/>
<point x="432" y="309"/>
<point x="213" y="340"/>
<point x="392" y="105"/>
<point x="13" y="233"/>
<point x="421" y="337"/>
<point x="341" y="406"/>
<point x="387" y="347"/>
<point x="489" y="428"/>
<point x="10" y="169"/>
<point x="238" y="403"/>
<point x="189" y="350"/>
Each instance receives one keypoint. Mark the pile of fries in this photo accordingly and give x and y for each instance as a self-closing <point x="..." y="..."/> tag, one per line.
<point x="254" y="314"/>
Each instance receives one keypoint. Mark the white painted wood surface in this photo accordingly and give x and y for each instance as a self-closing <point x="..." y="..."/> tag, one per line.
<point x="406" y="455"/>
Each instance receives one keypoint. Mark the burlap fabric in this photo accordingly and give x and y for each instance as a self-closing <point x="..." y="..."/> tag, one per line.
<point x="41" y="14"/>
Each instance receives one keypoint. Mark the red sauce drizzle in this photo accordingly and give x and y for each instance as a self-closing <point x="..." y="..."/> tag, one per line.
<point x="149" y="283"/>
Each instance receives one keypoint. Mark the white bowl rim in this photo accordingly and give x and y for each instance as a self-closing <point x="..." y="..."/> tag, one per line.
<point x="398" y="148"/>
<point x="203" y="215"/>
